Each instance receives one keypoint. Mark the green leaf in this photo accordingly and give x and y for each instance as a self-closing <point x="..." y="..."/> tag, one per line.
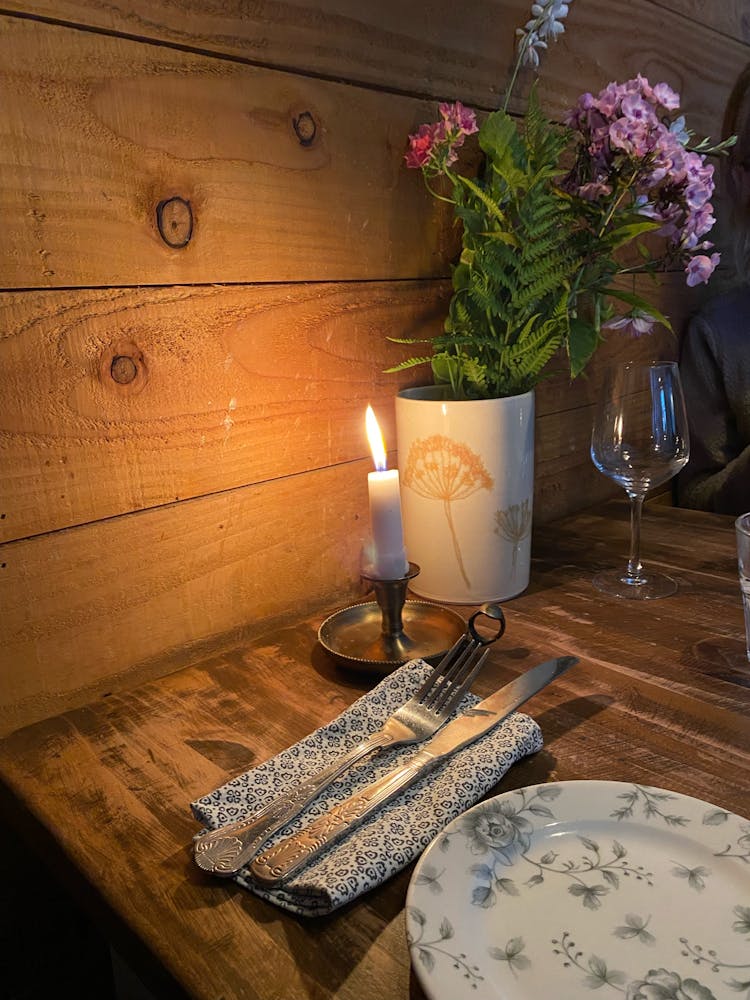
<point x="624" y="234"/>
<point x="462" y="273"/>
<point x="500" y="142"/>
<point x="498" y="134"/>
<point x="582" y="342"/>
<point x="443" y="368"/>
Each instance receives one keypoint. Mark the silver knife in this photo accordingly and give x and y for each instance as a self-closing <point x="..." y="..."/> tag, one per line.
<point x="283" y="860"/>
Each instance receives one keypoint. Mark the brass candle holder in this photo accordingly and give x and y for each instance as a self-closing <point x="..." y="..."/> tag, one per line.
<point x="380" y="635"/>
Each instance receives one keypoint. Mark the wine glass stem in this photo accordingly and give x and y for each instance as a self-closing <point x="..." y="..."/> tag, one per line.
<point x="635" y="569"/>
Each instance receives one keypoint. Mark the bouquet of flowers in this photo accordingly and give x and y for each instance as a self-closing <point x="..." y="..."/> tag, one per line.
<point x="546" y="222"/>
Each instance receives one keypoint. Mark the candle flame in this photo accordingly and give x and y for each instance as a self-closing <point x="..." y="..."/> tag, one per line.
<point x="377" y="447"/>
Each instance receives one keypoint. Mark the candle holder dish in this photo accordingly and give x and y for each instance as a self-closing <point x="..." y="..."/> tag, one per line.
<point x="380" y="635"/>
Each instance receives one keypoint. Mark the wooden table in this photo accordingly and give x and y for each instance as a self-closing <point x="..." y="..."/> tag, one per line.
<point x="662" y="697"/>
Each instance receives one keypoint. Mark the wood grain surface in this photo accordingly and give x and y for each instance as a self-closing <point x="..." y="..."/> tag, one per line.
<point x="208" y="234"/>
<point x="145" y="397"/>
<point x="122" y="597"/>
<point x="149" y="396"/>
<point x="287" y="177"/>
<point x="661" y="697"/>
<point x="443" y="51"/>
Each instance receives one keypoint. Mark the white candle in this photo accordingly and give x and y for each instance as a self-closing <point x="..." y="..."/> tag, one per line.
<point x="389" y="560"/>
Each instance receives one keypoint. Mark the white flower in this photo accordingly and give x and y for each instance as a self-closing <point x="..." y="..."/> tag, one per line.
<point x="527" y="47"/>
<point x="546" y="22"/>
<point x="550" y="16"/>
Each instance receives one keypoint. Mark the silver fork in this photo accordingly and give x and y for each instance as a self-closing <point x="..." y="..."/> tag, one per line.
<point x="225" y="851"/>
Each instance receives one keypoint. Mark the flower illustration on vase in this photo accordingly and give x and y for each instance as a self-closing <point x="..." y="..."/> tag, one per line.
<point x="514" y="524"/>
<point x="438" y="468"/>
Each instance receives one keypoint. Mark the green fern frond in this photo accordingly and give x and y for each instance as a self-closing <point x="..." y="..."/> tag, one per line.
<point x="527" y="359"/>
<point x="489" y="203"/>
<point x="541" y="248"/>
<point x="549" y="281"/>
<point x="409" y="363"/>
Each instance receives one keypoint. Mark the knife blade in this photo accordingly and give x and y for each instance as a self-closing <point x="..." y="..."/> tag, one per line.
<point x="285" y="859"/>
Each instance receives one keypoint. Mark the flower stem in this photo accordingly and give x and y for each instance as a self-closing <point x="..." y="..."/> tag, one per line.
<point x="624" y="189"/>
<point x="456" y="546"/>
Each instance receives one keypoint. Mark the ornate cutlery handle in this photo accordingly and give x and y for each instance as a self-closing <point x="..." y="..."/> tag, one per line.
<point x="225" y="851"/>
<point x="286" y="858"/>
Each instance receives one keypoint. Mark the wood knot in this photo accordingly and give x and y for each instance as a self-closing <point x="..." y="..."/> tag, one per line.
<point x="123" y="369"/>
<point x="174" y="217"/>
<point x="122" y="364"/>
<point x="305" y="128"/>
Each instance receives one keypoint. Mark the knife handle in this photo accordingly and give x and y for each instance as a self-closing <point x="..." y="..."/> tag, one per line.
<point x="225" y="851"/>
<point x="285" y="859"/>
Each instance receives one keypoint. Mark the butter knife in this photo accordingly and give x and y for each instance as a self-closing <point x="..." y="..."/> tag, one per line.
<point x="285" y="859"/>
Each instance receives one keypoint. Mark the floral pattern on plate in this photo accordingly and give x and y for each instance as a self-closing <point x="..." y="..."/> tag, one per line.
<point x="573" y="887"/>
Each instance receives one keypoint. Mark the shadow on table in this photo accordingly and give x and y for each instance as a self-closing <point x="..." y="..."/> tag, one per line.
<point x="722" y="659"/>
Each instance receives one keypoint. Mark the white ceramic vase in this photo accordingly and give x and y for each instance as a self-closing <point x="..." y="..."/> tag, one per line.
<point x="467" y="489"/>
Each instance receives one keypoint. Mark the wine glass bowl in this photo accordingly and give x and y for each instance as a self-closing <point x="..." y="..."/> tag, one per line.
<point x="640" y="440"/>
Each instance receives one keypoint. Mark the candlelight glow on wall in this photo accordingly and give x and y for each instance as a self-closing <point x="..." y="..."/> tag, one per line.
<point x="388" y="560"/>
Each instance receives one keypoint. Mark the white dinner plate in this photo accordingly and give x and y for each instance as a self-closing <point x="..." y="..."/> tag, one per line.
<point x="574" y="889"/>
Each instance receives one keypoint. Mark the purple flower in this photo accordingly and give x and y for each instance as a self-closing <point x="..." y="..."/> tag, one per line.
<point x="666" y="97"/>
<point x="635" y="108"/>
<point x="701" y="267"/>
<point x="632" y="136"/>
<point x="608" y="99"/>
<point x="636" y="322"/>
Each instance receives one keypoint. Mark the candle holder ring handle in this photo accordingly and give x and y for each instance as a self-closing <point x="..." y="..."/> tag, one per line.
<point x="493" y="612"/>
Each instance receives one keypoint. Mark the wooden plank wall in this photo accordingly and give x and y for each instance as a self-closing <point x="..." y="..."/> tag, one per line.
<point x="181" y="420"/>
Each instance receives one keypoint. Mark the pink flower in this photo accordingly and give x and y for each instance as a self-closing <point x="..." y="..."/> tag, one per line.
<point x="700" y="268"/>
<point x="433" y="148"/>
<point x="420" y="146"/>
<point x="458" y="117"/>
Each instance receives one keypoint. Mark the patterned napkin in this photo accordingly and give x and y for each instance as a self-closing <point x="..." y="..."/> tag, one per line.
<point x="398" y="832"/>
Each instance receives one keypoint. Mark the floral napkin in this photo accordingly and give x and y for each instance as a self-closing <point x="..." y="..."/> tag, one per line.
<point x="396" y="834"/>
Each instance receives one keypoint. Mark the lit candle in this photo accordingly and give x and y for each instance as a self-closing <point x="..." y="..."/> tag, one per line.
<point x="389" y="560"/>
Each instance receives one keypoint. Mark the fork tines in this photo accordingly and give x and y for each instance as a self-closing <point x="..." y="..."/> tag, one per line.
<point x="459" y="667"/>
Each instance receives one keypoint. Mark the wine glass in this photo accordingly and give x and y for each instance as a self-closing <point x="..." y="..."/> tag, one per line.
<point x="640" y="439"/>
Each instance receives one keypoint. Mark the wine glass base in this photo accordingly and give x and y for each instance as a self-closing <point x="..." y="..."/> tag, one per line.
<point x="649" y="587"/>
